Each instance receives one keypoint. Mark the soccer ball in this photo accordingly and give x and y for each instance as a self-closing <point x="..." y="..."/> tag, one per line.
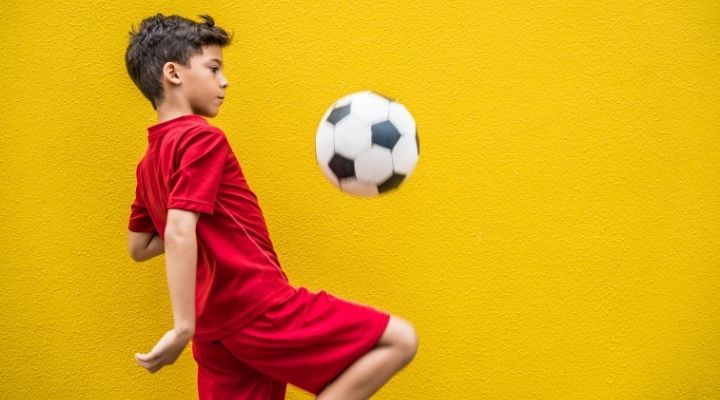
<point x="367" y="144"/>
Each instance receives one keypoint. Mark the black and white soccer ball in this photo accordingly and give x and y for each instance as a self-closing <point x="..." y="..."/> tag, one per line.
<point x="367" y="144"/>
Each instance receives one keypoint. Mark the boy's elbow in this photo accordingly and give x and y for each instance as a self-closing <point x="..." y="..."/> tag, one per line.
<point x="132" y="252"/>
<point x="136" y="256"/>
<point x="179" y="235"/>
<point x="137" y="244"/>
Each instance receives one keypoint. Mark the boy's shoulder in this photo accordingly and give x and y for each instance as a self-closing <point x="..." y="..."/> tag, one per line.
<point x="200" y="135"/>
<point x="196" y="127"/>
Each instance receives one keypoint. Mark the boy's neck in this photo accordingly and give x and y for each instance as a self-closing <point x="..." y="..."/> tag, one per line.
<point x="168" y="117"/>
<point x="167" y="111"/>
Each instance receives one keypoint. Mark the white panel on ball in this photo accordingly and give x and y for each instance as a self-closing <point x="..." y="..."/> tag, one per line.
<point x="324" y="142"/>
<point x="405" y="155"/>
<point x="374" y="165"/>
<point x="401" y="118"/>
<point x="369" y="107"/>
<point x="352" y="136"/>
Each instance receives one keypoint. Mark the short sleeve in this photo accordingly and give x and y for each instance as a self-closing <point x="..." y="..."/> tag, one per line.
<point x="139" y="216"/>
<point x="194" y="184"/>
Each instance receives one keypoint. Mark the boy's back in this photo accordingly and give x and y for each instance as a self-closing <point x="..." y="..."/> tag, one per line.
<point x="189" y="164"/>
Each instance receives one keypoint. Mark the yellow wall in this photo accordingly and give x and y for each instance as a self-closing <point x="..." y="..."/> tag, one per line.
<point x="560" y="237"/>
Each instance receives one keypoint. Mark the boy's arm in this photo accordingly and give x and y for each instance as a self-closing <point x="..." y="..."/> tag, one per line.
<point x="143" y="246"/>
<point x="155" y="248"/>
<point x="181" y="266"/>
<point x="181" y="259"/>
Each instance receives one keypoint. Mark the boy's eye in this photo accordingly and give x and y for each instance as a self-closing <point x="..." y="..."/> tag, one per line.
<point x="214" y="68"/>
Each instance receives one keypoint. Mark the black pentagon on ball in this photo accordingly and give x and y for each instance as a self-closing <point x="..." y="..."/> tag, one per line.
<point x="341" y="166"/>
<point x="385" y="134"/>
<point x="391" y="183"/>
<point x="338" y="113"/>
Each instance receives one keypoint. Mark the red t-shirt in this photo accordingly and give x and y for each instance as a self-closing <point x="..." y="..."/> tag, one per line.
<point x="190" y="165"/>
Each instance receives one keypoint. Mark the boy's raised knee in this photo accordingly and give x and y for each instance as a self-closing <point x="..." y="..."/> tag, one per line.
<point x="401" y="334"/>
<point x="411" y="343"/>
<point x="408" y="340"/>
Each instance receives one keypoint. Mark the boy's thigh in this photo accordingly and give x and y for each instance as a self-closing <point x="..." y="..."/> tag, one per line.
<point x="309" y="339"/>
<point x="221" y="375"/>
<point x="399" y="332"/>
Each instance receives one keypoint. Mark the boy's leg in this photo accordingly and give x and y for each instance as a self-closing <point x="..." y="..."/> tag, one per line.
<point x="313" y="338"/>
<point x="396" y="348"/>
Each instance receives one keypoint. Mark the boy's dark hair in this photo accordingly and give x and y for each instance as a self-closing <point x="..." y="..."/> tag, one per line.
<point x="160" y="39"/>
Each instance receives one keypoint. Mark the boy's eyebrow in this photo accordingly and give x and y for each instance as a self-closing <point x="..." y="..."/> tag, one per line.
<point x="217" y="61"/>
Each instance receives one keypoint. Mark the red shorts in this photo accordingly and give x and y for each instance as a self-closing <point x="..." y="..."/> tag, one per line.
<point x="307" y="341"/>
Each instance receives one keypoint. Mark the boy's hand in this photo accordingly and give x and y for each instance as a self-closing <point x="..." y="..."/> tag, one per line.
<point x="165" y="352"/>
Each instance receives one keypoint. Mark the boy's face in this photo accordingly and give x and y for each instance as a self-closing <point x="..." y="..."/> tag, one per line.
<point x="203" y="84"/>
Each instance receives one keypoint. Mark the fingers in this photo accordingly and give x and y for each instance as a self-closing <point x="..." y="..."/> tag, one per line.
<point x="150" y="362"/>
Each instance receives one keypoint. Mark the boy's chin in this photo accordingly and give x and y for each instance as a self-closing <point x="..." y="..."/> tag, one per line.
<point x="214" y="112"/>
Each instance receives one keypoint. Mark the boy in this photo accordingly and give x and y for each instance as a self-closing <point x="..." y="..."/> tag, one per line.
<point x="252" y="331"/>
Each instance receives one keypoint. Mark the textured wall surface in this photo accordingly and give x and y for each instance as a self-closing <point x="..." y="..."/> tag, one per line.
<point x="560" y="237"/>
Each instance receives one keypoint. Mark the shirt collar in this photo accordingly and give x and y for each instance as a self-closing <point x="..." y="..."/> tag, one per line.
<point x="163" y="127"/>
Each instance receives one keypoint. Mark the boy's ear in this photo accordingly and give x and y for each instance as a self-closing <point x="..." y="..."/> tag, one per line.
<point x="170" y="72"/>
